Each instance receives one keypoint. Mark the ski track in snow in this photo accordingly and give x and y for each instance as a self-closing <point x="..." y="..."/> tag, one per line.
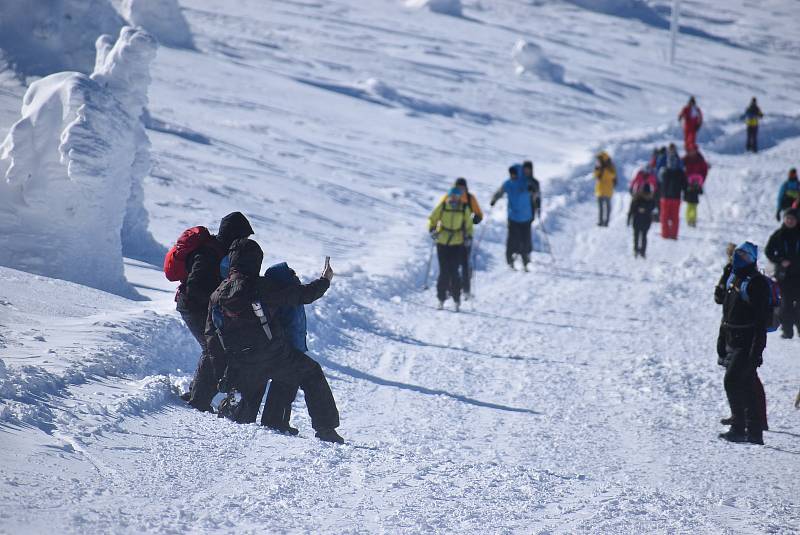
<point x="582" y="397"/>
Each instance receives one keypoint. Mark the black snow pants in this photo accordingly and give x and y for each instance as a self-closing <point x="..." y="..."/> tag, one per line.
<point x="449" y="282"/>
<point x="209" y="369"/>
<point x="278" y="405"/>
<point x="741" y="382"/>
<point x="790" y="306"/>
<point x="640" y="231"/>
<point x="466" y="269"/>
<point x="295" y="369"/>
<point x="752" y="138"/>
<point x="519" y="241"/>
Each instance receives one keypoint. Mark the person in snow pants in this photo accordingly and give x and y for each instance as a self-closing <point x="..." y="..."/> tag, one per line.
<point x="641" y="215"/>
<point x="752" y="116"/>
<point x="694" y="165"/>
<point x="605" y="176"/>
<point x="692" y="118"/>
<point x="477" y="216"/>
<point x="673" y="184"/>
<point x="203" y="267"/>
<point x="719" y="298"/>
<point x="450" y="225"/>
<point x="520" y="215"/>
<point x="241" y="322"/>
<point x="742" y="338"/>
<point x="783" y="250"/>
<point x="788" y="194"/>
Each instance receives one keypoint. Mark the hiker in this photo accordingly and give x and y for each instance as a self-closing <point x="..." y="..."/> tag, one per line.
<point x="789" y="194"/>
<point x="673" y="184"/>
<point x="520" y="216"/>
<point x="783" y="250"/>
<point x="605" y="175"/>
<point x="241" y="324"/>
<point x="751" y="117"/>
<point x="692" y="118"/>
<point x="477" y="216"/>
<point x="719" y="297"/>
<point x="644" y="176"/>
<point x="742" y="338"/>
<point x="696" y="169"/>
<point x="450" y="225"/>
<point x="533" y="188"/>
<point x="202" y="265"/>
<point x="641" y="215"/>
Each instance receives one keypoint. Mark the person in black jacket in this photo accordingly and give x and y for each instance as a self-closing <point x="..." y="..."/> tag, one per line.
<point x="783" y="250"/>
<point x="203" y="267"/>
<point x="673" y="184"/>
<point x="241" y="324"/>
<point x="641" y="215"/>
<point x="741" y="342"/>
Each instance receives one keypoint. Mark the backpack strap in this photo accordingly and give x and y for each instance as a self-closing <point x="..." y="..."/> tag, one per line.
<point x="262" y="318"/>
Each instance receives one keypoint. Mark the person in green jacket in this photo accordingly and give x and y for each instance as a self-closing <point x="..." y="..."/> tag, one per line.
<point x="450" y="225"/>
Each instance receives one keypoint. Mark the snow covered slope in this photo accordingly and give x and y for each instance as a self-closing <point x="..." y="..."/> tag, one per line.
<point x="582" y="397"/>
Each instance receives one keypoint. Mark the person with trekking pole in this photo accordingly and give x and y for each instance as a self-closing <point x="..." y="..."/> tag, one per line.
<point x="450" y="224"/>
<point x="465" y="265"/>
<point x="520" y="216"/>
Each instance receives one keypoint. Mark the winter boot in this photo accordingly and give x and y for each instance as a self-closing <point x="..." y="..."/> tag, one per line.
<point x="284" y="428"/>
<point x="329" y="435"/>
<point x="727" y="421"/>
<point x="734" y="435"/>
<point x="755" y="436"/>
<point x="440" y="306"/>
<point x="458" y="305"/>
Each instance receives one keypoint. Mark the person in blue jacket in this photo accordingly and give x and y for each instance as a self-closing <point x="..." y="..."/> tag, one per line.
<point x="520" y="216"/>
<point x="788" y="194"/>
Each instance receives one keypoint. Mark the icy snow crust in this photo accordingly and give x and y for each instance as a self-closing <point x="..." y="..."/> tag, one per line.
<point x="580" y="398"/>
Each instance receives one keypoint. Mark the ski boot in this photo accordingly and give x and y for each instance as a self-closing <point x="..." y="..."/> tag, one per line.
<point x="458" y="305"/>
<point x="734" y="435"/>
<point x="329" y="435"/>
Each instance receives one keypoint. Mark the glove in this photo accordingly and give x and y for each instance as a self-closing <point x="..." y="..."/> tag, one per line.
<point x="433" y="233"/>
<point x="719" y="294"/>
<point x="492" y="203"/>
<point x="476" y="219"/>
<point x="722" y="353"/>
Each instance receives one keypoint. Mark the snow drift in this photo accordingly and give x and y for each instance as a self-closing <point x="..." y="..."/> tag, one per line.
<point x="162" y="18"/>
<point x="445" y="7"/>
<point x="73" y="166"/>
<point x="530" y="58"/>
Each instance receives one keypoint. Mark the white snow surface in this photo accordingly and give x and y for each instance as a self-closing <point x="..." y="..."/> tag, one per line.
<point x="72" y="199"/>
<point x="444" y="7"/>
<point x="583" y="397"/>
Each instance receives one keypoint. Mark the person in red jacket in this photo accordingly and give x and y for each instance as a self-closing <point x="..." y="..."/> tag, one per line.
<point x="694" y="163"/>
<point x="692" y="118"/>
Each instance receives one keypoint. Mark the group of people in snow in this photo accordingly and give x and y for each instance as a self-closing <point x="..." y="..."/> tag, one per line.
<point x="452" y="222"/>
<point x="251" y="329"/>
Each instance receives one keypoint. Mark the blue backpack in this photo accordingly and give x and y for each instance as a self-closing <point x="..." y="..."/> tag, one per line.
<point x="292" y="318"/>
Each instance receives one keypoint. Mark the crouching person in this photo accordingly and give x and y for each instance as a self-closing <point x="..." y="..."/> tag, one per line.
<point x="241" y="323"/>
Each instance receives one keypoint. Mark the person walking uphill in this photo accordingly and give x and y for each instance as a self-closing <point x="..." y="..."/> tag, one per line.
<point x="605" y="176"/>
<point x="477" y="216"/>
<point x="520" y="216"/>
<point x="789" y="194"/>
<point x="696" y="169"/>
<point x="241" y="323"/>
<point x="742" y="338"/>
<point x="202" y="265"/>
<point x="692" y="118"/>
<point x="751" y="117"/>
<point x="641" y="215"/>
<point x="783" y="250"/>
<point x="673" y="184"/>
<point x="450" y="225"/>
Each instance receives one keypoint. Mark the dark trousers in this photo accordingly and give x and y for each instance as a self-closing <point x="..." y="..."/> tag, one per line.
<point x="640" y="238"/>
<point x="603" y="210"/>
<point x="790" y="306"/>
<point x="466" y="269"/>
<point x="295" y="369"/>
<point x="519" y="241"/>
<point x="741" y="379"/>
<point x="209" y="371"/>
<point x="278" y="405"/>
<point x="752" y="138"/>
<point x="450" y="258"/>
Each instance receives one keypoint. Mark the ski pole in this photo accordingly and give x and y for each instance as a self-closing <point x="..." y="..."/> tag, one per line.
<point x="430" y="261"/>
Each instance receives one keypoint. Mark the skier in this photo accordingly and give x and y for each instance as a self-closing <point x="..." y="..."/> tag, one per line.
<point x="477" y="216"/>
<point x="605" y="175"/>
<point x="641" y="215"/>
<point x="789" y="194"/>
<point x="696" y="169"/>
<point x="241" y="324"/>
<point x="692" y="118"/>
<point x="450" y="225"/>
<point x="673" y="184"/>
<point x="203" y="268"/>
<point x="520" y="216"/>
<point x="783" y="250"/>
<point x="719" y="298"/>
<point x="751" y="117"/>
<point x="741" y="342"/>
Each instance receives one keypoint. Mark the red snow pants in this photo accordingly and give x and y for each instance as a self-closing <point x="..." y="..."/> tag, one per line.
<point x="689" y="137"/>
<point x="670" y="218"/>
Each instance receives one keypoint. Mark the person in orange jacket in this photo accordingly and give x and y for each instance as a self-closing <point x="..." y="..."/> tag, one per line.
<point x="692" y="118"/>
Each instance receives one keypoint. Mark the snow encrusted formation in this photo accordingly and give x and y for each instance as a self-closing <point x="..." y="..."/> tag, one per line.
<point x="445" y="7"/>
<point x="529" y="57"/>
<point x="162" y="18"/>
<point x="73" y="167"/>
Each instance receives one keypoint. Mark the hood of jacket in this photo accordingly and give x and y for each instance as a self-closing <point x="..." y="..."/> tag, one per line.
<point x="233" y="227"/>
<point x="246" y="257"/>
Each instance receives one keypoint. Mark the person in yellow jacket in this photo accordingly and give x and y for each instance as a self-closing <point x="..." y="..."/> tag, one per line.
<point x="605" y="179"/>
<point x="477" y="216"/>
<point x="450" y="225"/>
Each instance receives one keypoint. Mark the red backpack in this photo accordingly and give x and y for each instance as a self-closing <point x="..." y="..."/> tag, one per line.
<point x="190" y="241"/>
